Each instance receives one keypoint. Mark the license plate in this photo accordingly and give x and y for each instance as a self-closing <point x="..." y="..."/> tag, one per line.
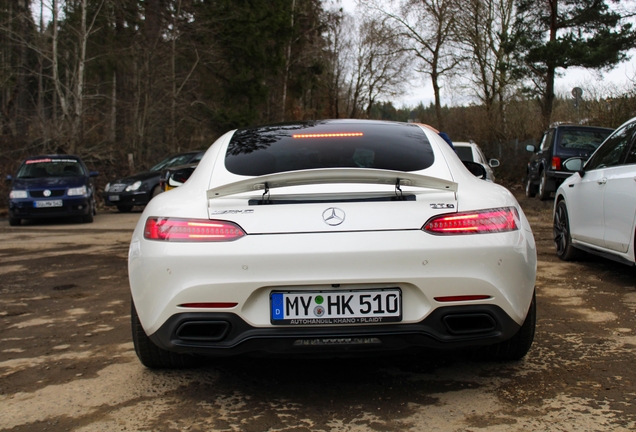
<point x="49" y="203"/>
<point x="113" y="198"/>
<point x="336" y="307"/>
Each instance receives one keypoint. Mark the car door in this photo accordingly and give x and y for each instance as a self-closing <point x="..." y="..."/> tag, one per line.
<point x="619" y="201"/>
<point x="537" y="159"/>
<point x="586" y="203"/>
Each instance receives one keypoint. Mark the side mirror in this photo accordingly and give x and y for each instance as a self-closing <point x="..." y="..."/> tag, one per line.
<point x="179" y="177"/>
<point x="531" y="148"/>
<point x="93" y="174"/>
<point x="9" y="178"/>
<point x="493" y="163"/>
<point x="575" y="164"/>
<point x="476" y="169"/>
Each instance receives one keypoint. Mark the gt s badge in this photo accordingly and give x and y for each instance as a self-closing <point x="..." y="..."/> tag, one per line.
<point x="442" y="206"/>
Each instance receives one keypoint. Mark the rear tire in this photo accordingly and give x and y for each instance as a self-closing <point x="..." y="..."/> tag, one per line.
<point x="531" y="190"/>
<point x="15" y="221"/>
<point x="124" y="208"/>
<point x="544" y="193"/>
<point x="517" y="346"/>
<point x="561" y="234"/>
<point x="151" y="355"/>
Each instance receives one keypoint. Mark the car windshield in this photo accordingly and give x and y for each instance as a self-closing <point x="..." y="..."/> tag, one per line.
<point x="328" y="144"/>
<point x="464" y="153"/>
<point x="171" y="161"/>
<point x="583" y="139"/>
<point x="49" y="167"/>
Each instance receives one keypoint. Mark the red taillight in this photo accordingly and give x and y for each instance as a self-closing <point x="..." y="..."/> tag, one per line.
<point x="461" y="298"/>
<point x="191" y="230"/>
<point x="556" y="163"/>
<point x="477" y="222"/>
<point x="214" y="305"/>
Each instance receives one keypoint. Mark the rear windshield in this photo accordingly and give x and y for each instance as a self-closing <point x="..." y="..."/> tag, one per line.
<point x="329" y="144"/>
<point x="586" y="139"/>
<point x="49" y="167"/>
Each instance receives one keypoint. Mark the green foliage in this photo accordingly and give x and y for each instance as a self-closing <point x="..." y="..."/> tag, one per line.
<point x="558" y="34"/>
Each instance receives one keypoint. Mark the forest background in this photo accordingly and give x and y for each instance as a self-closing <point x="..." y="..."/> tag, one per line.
<point x="123" y="83"/>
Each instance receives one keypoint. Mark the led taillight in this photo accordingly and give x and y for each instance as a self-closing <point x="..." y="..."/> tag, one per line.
<point x="329" y="135"/>
<point x="191" y="230"/>
<point x="477" y="222"/>
<point x="556" y="163"/>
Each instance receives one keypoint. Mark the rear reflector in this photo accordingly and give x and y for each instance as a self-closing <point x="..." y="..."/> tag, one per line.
<point x="214" y="305"/>
<point x="477" y="222"/>
<point x="191" y="230"/>
<point x="461" y="298"/>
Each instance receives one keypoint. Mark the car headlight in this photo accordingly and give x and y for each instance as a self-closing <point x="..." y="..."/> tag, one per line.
<point x="18" y="194"/>
<point x="133" y="187"/>
<point x="77" y="191"/>
<point x="107" y="188"/>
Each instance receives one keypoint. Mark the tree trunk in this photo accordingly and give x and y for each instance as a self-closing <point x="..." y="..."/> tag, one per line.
<point x="22" y="99"/>
<point x="548" y="97"/>
<point x="120" y="79"/>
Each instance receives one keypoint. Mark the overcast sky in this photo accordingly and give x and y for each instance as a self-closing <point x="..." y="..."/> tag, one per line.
<point x="619" y="77"/>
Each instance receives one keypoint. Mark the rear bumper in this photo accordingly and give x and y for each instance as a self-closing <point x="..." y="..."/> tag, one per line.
<point x="226" y="334"/>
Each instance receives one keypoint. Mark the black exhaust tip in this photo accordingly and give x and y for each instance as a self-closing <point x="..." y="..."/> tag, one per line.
<point x="467" y="324"/>
<point x="203" y="331"/>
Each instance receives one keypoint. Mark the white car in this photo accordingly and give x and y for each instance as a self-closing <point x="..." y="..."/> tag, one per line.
<point x="595" y="208"/>
<point x="332" y="237"/>
<point x="471" y="152"/>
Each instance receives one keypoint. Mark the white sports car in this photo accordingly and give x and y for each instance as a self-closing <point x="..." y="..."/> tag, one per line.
<point x="336" y="237"/>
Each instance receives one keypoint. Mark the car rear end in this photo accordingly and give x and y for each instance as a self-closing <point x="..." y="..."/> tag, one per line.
<point x="573" y="141"/>
<point x="380" y="240"/>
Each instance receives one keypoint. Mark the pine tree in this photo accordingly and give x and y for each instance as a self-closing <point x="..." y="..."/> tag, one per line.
<point x="551" y="35"/>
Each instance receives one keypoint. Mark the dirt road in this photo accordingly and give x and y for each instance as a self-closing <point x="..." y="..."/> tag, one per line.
<point x="67" y="361"/>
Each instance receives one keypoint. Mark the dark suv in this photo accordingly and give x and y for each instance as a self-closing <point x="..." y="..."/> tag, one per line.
<point x="559" y="143"/>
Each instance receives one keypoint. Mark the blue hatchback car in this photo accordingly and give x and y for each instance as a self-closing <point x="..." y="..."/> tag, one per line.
<point x="51" y="186"/>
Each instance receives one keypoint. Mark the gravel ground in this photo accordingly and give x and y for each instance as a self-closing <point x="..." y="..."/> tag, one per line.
<point x="67" y="360"/>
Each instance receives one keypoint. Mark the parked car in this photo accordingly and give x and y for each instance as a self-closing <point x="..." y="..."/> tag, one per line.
<point x="176" y="176"/>
<point x="595" y="209"/>
<point x="51" y="186"/>
<point x="331" y="237"/>
<point x="545" y="170"/>
<point x="140" y="188"/>
<point x="471" y="152"/>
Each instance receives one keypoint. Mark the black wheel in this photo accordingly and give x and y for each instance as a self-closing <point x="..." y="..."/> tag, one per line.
<point x="155" y="191"/>
<point x="531" y="189"/>
<point x="561" y="234"/>
<point x="14" y="221"/>
<point x="90" y="215"/>
<point x="124" y="208"/>
<point x="517" y="346"/>
<point x="151" y="355"/>
<point x="544" y="193"/>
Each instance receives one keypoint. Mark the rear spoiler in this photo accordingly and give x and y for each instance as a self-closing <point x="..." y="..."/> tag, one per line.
<point x="331" y="176"/>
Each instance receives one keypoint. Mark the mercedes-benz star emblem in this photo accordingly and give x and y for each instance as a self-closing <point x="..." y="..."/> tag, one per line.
<point x="333" y="216"/>
<point x="46" y="193"/>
